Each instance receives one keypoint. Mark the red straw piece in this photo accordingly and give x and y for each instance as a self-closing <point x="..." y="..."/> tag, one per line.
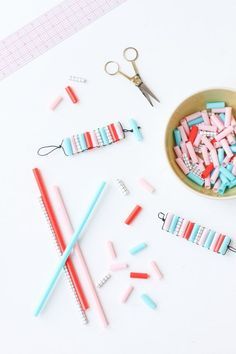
<point x="207" y="170"/>
<point x="59" y="237"/>
<point x="193" y="134"/>
<point x="133" y="214"/>
<point x="213" y="141"/>
<point x="88" y="140"/>
<point x="139" y="275"/>
<point x="71" y="94"/>
<point x="113" y="132"/>
<point x="188" y="230"/>
<point x="219" y="243"/>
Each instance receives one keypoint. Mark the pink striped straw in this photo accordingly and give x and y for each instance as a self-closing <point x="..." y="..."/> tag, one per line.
<point x="224" y="133"/>
<point x="205" y="117"/>
<point x="217" y="122"/>
<point x="228" y="114"/>
<point x="191" y="151"/>
<point x="214" y="157"/>
<point x="127" y="294"/>
<point x="182" y="165"/>
<point x="185" y="126"/>
<point x="177" y="151"/>
<point x="65" y="220"/>
<point x="207" y="143"/>
<point x="193" y="116"/>
<point x="215" y="175"/>
<point x="182" y="133"/>
<point x="208" y="128"/>
<point x="111" y="249"/>
<point x="205" y="155"/>
<point x="183" y="228"/>
<point x="226" y="147"/>
<point x="226" y="161"/>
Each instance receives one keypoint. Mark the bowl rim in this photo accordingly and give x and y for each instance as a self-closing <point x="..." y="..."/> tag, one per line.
<point x="216" y="197"/>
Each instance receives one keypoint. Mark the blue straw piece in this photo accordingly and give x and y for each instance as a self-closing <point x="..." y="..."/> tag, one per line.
<point x="222" y="117"/>
<point x="210" y="105"/>
<point x="194" y="232"/>
<point x="173" y="224"/>
<point x="148" y="301"/>
<point x="195" y="121"/>
<point x="104" y="136"/>
<point x="138" y="248"/>
<point x="68" y="250"/>
<point x="195" y="178"/>
<point x="233" y="148"/>
<point x="177" y="137"/>
<point x="225" y="244"/>
<point x="82" y="142"/>
<point x="67" y="147"/>
<point x="221" y="155"/>
<point x="229" y="167"/>
<point x="209" y="239"/>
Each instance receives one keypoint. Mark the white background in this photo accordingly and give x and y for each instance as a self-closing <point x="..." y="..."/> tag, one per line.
<point x="184" y="47"/>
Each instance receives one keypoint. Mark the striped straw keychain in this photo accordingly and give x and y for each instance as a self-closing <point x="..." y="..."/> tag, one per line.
<point x="97" y="138"/>
<point x="200" y="235"/>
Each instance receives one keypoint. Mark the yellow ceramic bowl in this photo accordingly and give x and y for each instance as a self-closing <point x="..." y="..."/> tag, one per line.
<point x="194" y="103"/>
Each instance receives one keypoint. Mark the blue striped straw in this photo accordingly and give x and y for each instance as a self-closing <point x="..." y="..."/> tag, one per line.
<point x="67" y="251"/>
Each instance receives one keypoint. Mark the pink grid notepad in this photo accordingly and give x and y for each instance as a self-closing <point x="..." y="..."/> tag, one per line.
<point x="48" y="30"/>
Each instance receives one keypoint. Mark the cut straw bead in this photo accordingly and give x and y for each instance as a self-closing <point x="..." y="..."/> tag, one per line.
<point x="156" y="270"/>
<point x="226" y="148"/>
<point x="205" y="117"/>
<point x="184" y="124"/>
<point x="193" y="116"/>
<point x="127" y="294"/>
<point x="217" y="122"/>
<point x="191" y="151"/>
<point x="178" y="152"/>
<point x="182" y="165"/>
<point x="224" y="133"/>
<point x="228" y="114"/>
<point x="182" y="133"/>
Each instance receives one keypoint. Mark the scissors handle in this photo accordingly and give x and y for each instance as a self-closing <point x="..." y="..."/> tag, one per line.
<point x="131" y="54"/>
<point x="113" y="68"/>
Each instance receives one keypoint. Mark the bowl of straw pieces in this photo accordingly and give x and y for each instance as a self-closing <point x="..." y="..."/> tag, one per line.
<point x="200" y="143"/>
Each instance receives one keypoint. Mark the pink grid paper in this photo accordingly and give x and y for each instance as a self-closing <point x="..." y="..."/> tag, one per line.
<point x="48" y="30"/>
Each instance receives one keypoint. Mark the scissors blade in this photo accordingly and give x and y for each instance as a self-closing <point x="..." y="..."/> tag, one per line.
<point x="145" y="95"/>
<point x="149" y="92"/>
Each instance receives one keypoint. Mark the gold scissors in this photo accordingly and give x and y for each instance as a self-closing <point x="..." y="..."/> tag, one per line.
<point x="131" y="54"/>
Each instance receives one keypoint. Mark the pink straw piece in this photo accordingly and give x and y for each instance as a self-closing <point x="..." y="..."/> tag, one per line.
<point x="127" y="294"/>
<point x="146" y="185"/>
<point x="167" y="221"/>
<point x="205" y="117"/>
<point x="203" y="237"/>
<point x="234" y="170"/>
<point x="197" y="140"/>
<point x="65" y="220"/>
<point x="182" y="133"/>
<point x="205" y="155"/>
<point x="183" y="228"/>
<point x="214" y="157"/>
<point x="185" y="126"/>
<point x="225" y="146"/>
<point x="208" y="128"/>
<point x="182" y="165"/>
<point x="226" y="161"/>
<point x="156" y="270"/>
<point x="215" y="120"/>
<point x="56" y="103"/>
<point x="218" y="110"/>
<point x="111" y="250"/>
<point x="118" y="266"/>
<point x="184" y="148"/>
<point x="207" y="143"/>
<point x="228" y="114"/>
<point x="207" y="183"/>
<point x="234" y="160"/>
<point x="193" y="116"/>
<point x="224" y="133"/>
<point x="216" y="185"/>
<point x="215" y="175"/>
<point x="177" y="151"/>
<point x="231" y="139"/>
<point x="192" y="153"/>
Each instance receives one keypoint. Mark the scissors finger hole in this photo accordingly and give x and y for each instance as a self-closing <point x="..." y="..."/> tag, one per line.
<point x="112" y="68"/>
<point x="130" y="54"/>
